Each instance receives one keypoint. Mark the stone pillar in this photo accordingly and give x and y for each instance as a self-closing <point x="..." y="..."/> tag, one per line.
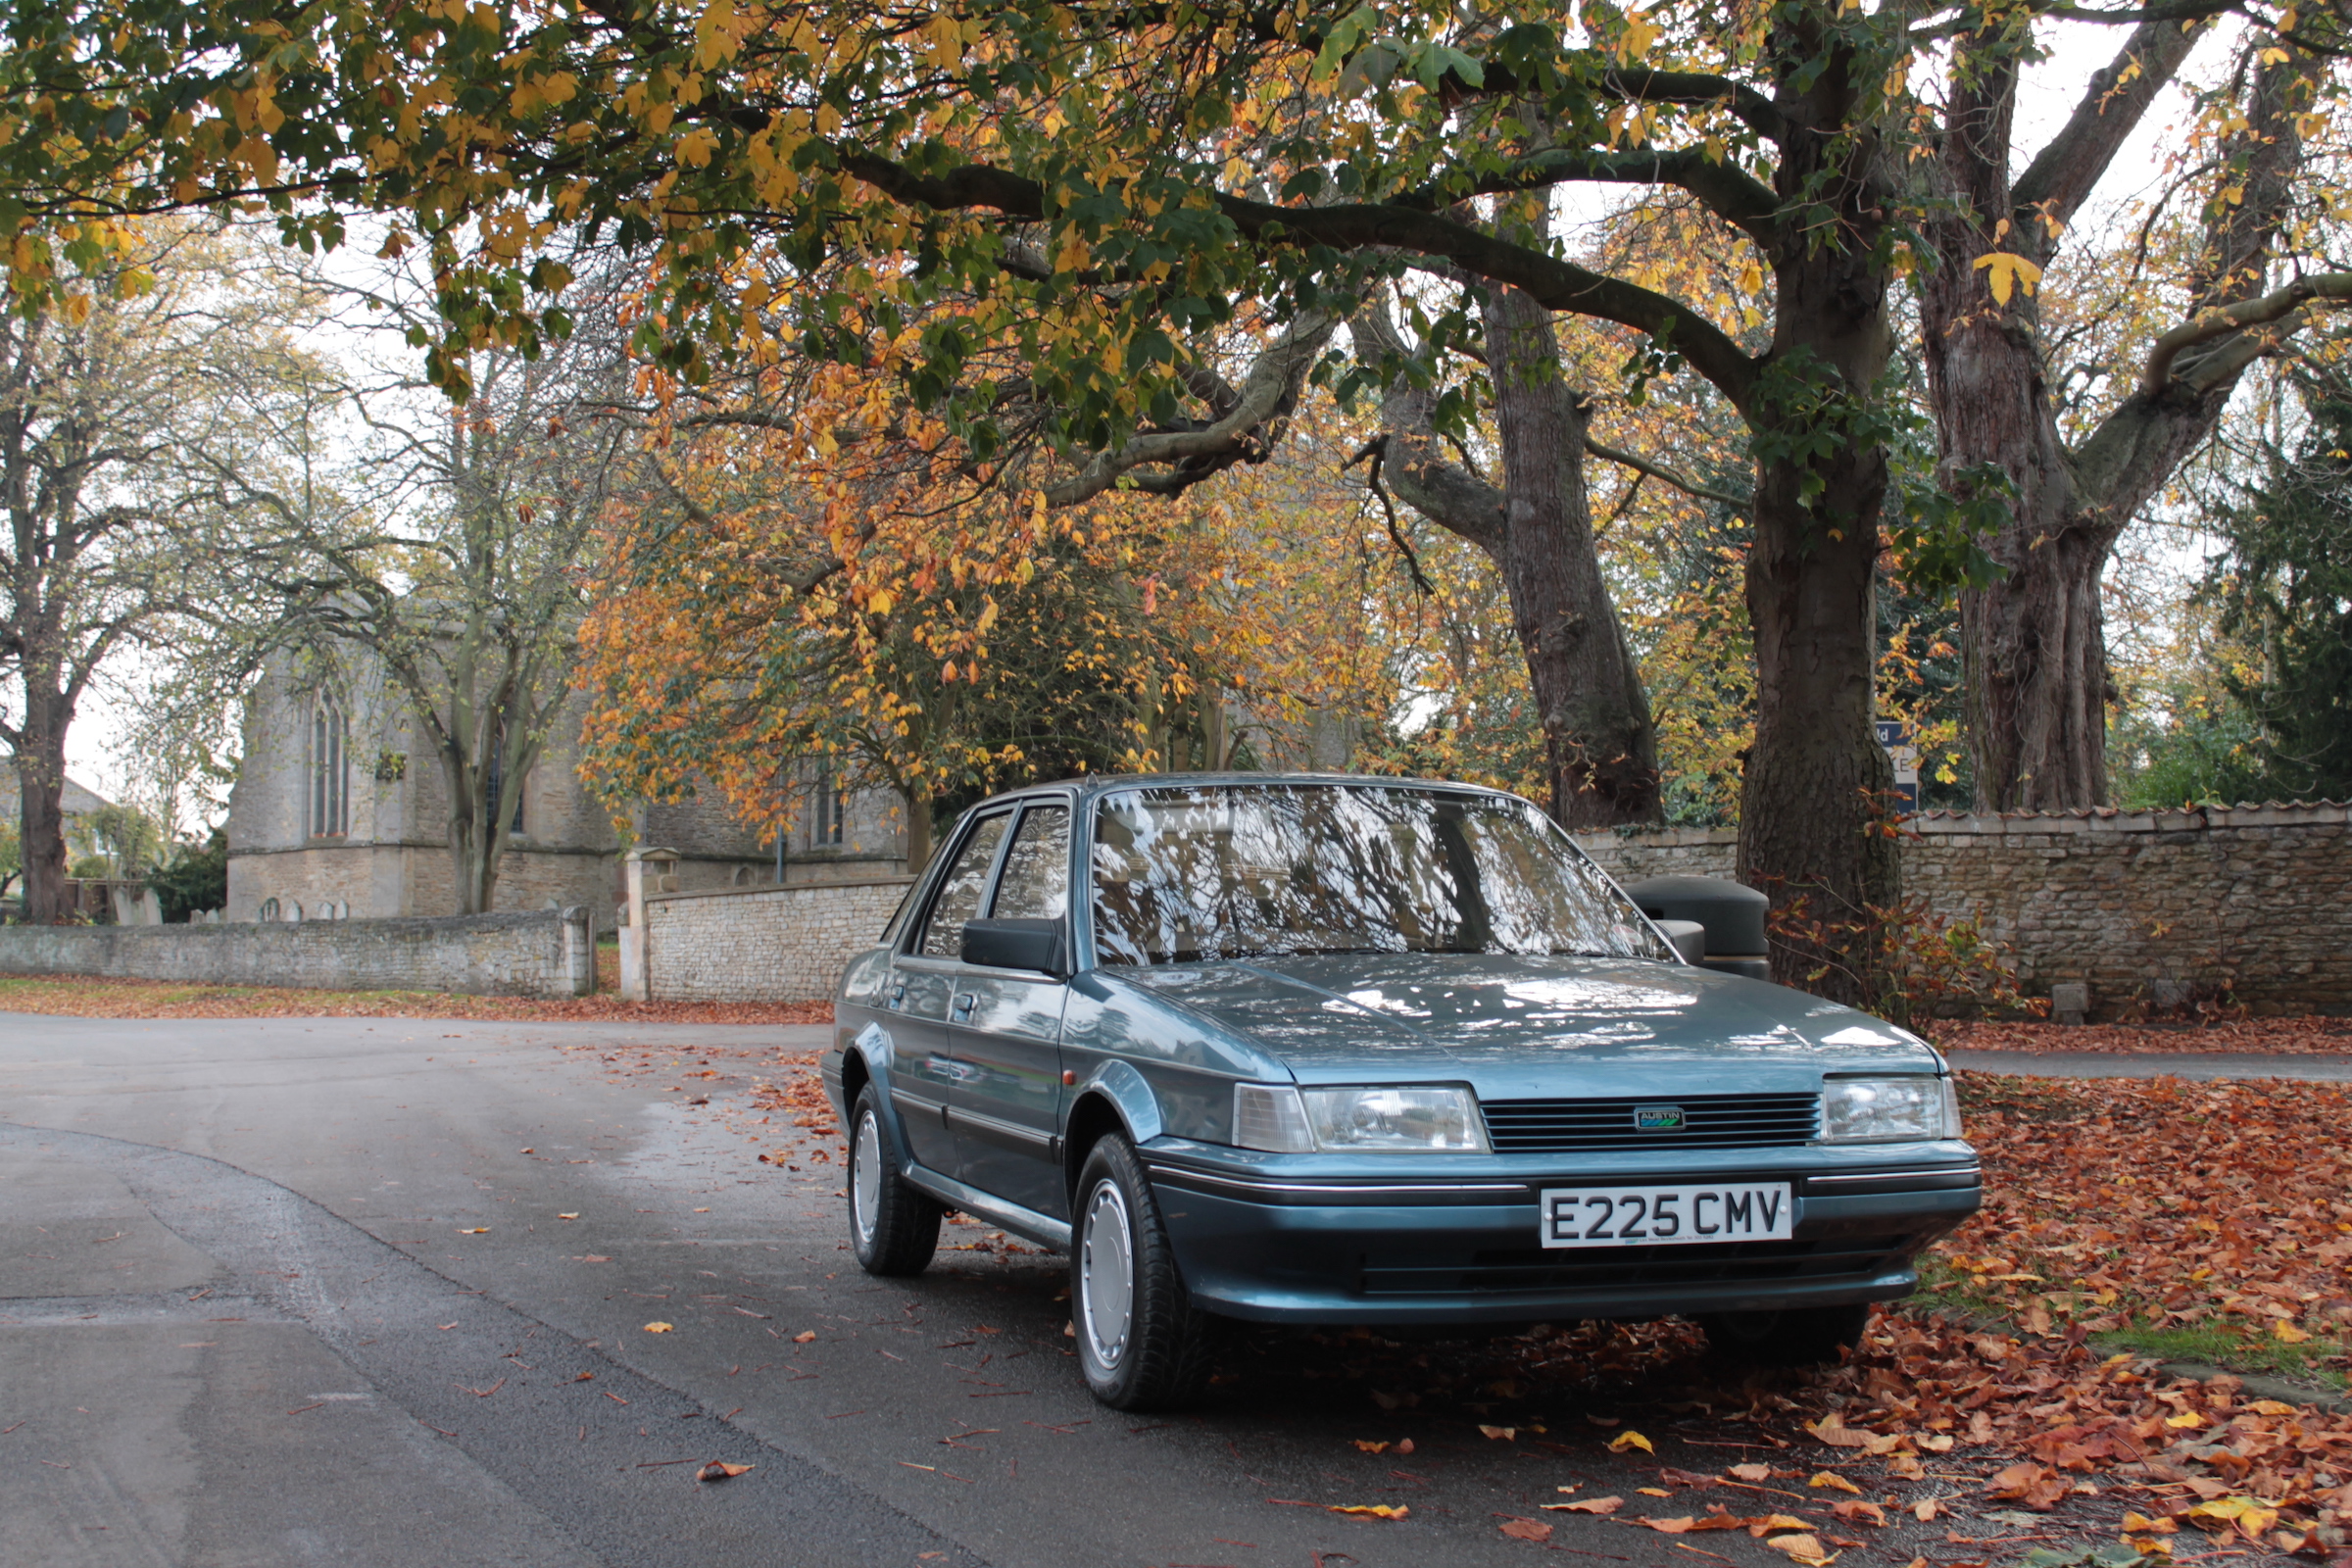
<point x="644" y="863"/>
<point x="579" y="950"/>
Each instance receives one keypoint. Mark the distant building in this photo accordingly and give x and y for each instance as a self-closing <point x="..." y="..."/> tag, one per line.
<point x="340" y="810"/>
<point x="80" y="799"/>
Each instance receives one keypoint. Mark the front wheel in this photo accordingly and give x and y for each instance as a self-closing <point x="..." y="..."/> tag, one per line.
<point x="893" y="1228"/>
<point x="1796" y="1336"/>
<point x="1142" y="1343"/>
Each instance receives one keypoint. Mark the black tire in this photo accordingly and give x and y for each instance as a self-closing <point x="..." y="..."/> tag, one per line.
<point x="1150" y="1351"/>
<point x="893" y="1229"/>
<point x="1797" y="1335"/>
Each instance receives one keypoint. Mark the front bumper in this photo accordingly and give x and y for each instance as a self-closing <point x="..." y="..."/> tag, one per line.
<point x="1269" y="1247"/>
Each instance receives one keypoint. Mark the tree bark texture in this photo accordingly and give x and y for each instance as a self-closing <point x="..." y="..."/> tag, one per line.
<point x="2034" y="643"/>
<point x="1601" y="746"/>
<point x="40" y="798"/>
<point x="1812" y="794"/>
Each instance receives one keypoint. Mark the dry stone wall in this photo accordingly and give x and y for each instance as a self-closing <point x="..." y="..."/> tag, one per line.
<point x="766" y="943"/>
<point x="545" y="952"/>
<point x="2153" y="908"/>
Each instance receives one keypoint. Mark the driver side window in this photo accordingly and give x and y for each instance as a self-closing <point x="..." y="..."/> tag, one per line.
<point x="959" y="890"/>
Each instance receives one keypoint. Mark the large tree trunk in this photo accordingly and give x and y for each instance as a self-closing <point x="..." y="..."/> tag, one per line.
<point x="41" y="797"/>
<point x="2034" y="643"/>
<point x="1814" y="792"/>
<point x="472" y="854"/>
<point x="1601" y="747"/>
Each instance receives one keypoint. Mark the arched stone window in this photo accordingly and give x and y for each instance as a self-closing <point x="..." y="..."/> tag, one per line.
<point x="828" y="811"/>
<point x="329" y="803"/>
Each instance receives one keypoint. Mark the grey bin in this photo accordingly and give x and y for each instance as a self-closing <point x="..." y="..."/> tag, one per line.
<point x="1732" y="914"/>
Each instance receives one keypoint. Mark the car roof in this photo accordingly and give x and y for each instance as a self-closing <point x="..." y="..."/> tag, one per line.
<point x="1090" y="786"/>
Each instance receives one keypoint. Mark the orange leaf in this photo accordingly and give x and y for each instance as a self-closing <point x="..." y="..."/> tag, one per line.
<point x="1831" y="1479"/>
<point x="1534" y="1529"/>
<point x="1371" y="1511"/>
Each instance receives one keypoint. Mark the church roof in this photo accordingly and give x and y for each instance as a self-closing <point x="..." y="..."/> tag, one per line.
<point x="81" y="800"/>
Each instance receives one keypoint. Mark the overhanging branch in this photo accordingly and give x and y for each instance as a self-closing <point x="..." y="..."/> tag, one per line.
<point x="2285" y="309"/>
<point x="1556" y="284"/>
<point x="1659" y="471"/>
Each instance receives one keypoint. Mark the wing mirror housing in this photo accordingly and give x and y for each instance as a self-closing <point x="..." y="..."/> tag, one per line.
<point x="1015" y="944"/>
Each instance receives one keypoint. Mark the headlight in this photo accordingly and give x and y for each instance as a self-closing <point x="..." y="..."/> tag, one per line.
<point x="1863" y="1110"/>
<point x="1383" y="1121"/>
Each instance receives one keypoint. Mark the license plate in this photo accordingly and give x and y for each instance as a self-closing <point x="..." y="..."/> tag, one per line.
<point x="1667" y="1216"/>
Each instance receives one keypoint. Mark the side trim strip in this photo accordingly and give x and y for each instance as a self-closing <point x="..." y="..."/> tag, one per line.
<point x="1043" y="1229"/>
<point x="998" y="1127"/>
<point x="911" y="1102"/>
<point x="1245" y="1183"/>
<point x="1856" y="1178"/>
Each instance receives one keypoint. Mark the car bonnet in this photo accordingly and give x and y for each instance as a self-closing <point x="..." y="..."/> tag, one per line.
<point x="1332" y="1018"/>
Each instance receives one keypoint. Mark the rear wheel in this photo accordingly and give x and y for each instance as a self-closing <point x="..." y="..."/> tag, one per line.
<point x="1142" y="1343"/>
<point x="893" y="1228"/>
<point x="1796" y="1336"/>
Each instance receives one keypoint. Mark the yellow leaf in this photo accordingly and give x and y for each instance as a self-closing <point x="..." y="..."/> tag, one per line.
<point x="1372" y="1510"/>
<point x="1500" y="1434"/>
<point x="2289" y="1333"/>
<point x="1805" y="1550"/>
<point x="1629" y="1439"/>
<point x="1371" y="1447"/>
<point x="1751" y="278"/>
<point x="659" y="1328"/>
<point x="2005" y="270"/>
<point x="2185" y="1419"/>
<point x="1831" y="1479"/>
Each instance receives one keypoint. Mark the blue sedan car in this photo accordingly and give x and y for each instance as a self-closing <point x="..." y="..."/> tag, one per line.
<point x="1295" y="1049"/>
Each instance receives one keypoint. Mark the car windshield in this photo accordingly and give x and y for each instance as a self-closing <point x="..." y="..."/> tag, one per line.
<point x="1236" y="871"/>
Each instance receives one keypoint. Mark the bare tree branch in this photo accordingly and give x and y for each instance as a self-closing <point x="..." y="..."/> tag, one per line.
<point x="2285" y="308"/>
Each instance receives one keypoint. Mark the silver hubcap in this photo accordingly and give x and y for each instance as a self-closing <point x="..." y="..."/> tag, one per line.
<point x="1106" y="1275"/>
<point x="865" y="1179"/>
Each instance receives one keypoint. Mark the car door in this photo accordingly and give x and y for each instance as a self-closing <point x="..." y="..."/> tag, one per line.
<point x="1005" y="1028"/>
<point x="923" y="1065"/>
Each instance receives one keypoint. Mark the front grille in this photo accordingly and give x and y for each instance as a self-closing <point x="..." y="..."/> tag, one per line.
<point x="1633" y="1267"/>
<point x="1708" y="1121"/>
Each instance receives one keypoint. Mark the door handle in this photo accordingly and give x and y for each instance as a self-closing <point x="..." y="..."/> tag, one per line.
<point x="898" y="993"/>
<point x="963" y="1003"/>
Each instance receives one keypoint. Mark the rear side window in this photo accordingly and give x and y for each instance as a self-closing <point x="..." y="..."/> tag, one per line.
<point x="959" y="890"/>
<point x="1035" y="881"/>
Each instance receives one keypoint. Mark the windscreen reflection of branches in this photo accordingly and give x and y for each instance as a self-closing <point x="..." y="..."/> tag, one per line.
<point x="1194" y="875"/>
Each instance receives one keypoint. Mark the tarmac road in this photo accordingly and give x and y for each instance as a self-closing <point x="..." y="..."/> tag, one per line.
<point x="294" y="1291"/>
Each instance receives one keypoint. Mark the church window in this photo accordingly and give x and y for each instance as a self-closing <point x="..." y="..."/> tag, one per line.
<point x="329" y="804"/>
<point x="829" y="815"/>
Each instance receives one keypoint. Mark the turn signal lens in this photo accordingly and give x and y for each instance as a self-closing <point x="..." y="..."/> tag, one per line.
<point x="1269" y="1116"/>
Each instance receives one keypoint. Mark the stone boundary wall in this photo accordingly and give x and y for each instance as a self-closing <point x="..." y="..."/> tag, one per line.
<point x="2154" y="906"/>
<point x="762" y="944"/>
<point x="541" y="952"/>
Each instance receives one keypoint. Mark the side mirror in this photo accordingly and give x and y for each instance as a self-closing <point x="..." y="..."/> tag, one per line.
<point x="1688" y="936"/>
<point x="1015" y="945"/>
